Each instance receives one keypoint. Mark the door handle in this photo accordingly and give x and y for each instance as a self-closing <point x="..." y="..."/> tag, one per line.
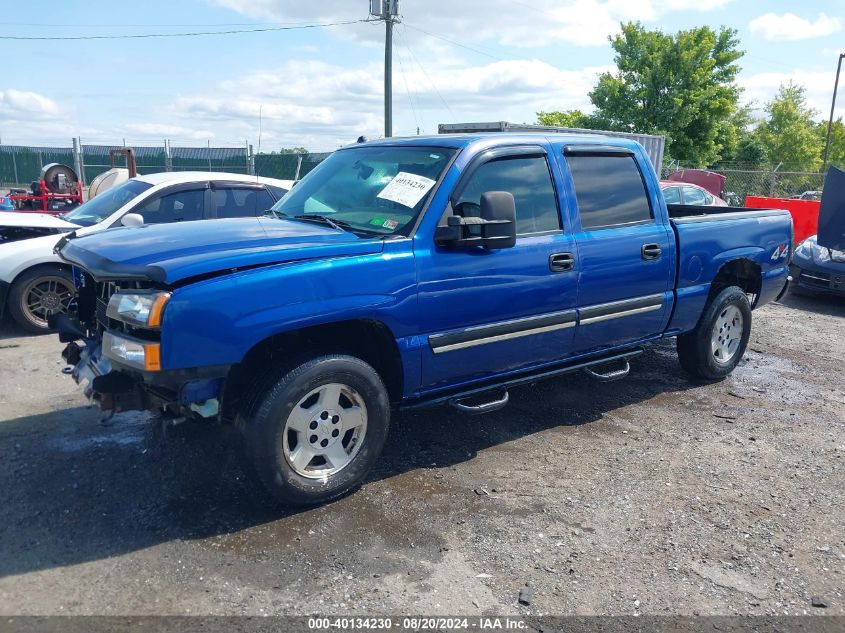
<point x="561" y="262"/>
<point x="650" y="251"/>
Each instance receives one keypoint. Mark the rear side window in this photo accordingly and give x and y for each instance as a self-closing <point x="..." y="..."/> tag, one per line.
<point x="694" y="195"/>
<point x="672" y="195"/>
<point x="609" y="190"/>
<point x="530" y="182"/>
<point x="180" y="206"/>
<point x="241" y="202"/>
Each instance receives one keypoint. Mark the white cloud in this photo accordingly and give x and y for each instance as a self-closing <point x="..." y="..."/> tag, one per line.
<point x="25" y="116"/>
<point x="158" y="131"/>
<point x="693" y="5"/>
<point x="321" y="106"/>
<point x="792" y="27"/>
<point x="762" y="87"/>
<point x="20" y="105"/>
<point x="511" y="23"/>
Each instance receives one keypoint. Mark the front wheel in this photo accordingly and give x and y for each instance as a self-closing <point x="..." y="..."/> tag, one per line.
<point x="713" y="349"/>
<point x="39" y="293"/>
<point x="316" y="432"/>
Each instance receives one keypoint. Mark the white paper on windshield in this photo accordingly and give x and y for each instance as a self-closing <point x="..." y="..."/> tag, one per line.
<point x="406" y="189"/>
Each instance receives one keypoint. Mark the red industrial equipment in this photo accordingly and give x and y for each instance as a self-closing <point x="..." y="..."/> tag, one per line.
<point x="57" y="190"/>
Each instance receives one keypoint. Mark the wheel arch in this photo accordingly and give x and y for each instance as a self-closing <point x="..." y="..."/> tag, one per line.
<point x="368" y="339"/>
<point x="46" y="264"/>
<point x="742" y="272"/>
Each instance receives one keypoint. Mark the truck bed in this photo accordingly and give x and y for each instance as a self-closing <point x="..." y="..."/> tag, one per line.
<point x="683" y="211"/>
<point x="710" y="237"/>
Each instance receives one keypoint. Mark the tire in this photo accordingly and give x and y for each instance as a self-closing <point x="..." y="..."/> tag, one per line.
<point x="713" y="349"/>
<point x="334" y="408"/>
<point x="57" y="291"/>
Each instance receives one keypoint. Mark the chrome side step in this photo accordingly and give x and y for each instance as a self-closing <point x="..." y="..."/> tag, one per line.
<point x="501" y="386"/>
<point x="609" y="376"/>
<point x="478" y="409"/>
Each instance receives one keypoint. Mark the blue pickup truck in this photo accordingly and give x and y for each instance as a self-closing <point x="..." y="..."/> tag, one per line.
<point x="413" y="272"/>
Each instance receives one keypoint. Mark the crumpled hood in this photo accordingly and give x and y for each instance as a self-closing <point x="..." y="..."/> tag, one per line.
<point x="169" y="253"/>
<point x="35" y="221"/>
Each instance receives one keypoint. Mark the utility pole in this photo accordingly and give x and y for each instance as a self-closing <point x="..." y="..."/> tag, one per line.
<point x="387" y="10"/>
<point x="832" y="108"/>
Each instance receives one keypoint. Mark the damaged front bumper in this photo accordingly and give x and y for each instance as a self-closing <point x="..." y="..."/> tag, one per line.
<point x="113" y="389"/>
<point x="194" y="392"/>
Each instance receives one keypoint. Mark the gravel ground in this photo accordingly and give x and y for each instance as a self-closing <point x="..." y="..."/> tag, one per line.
<point x="653" y="495"/>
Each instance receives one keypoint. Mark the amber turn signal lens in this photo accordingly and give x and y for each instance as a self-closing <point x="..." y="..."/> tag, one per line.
<point x="154" y="320"/>
<point x="152" y="357"/>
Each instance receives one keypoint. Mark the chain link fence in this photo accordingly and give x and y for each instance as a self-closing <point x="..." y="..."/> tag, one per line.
<point x="20" y="165"/>
<point x="742" y="181"/>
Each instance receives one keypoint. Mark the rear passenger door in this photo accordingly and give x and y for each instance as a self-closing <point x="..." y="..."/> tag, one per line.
<point x="626" y="251"/>
<point x="239" y="200"/>
<point x="181" y="203"/>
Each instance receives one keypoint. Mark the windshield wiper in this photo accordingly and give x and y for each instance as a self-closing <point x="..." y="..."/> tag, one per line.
<point x="340" y="225"/>
<point x="323" y="219"/>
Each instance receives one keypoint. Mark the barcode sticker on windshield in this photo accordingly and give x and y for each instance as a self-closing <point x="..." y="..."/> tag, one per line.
<point x="406" y="189"/>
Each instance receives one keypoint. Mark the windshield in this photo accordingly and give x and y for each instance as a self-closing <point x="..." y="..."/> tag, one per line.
<point x="369" y="190"/>
<point x="103" y="205"/>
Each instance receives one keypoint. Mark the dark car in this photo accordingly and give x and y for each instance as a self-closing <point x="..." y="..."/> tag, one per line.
<point x="817" y="269"/>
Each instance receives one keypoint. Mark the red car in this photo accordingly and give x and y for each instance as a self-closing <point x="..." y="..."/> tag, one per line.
<point x="685" y="193"/>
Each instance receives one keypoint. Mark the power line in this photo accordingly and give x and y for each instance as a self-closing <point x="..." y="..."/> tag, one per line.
<point x="446" y="39"/>
<point x="408" y="91"/>
<point x="433" y="85"/>
<point x="70" y="25"/>
<point x="129" y="36"/>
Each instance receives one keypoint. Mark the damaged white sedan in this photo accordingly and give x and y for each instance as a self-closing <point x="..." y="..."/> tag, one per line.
<point x="35" y="284"/>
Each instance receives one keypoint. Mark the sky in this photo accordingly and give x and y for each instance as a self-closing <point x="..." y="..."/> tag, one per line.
<point x="322" y="87"/>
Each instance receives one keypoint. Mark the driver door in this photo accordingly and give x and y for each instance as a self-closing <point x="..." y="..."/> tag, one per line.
<point x="493" y="311"/>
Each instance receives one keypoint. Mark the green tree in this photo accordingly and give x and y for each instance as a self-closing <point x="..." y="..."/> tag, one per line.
<point x="740" y="142"/>
<point x="789" y="133"/>
<point x="566" y="118"/>
<point x="681" y="85"/>
<point x="836" y="154"/>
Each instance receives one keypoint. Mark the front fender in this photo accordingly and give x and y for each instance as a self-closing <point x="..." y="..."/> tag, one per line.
<point x="217" y="321"/>
<point x="17" y="257"/>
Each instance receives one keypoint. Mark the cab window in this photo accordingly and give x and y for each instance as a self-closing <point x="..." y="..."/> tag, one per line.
<point x="609" y="191"/>
<point x="528" y="179"/>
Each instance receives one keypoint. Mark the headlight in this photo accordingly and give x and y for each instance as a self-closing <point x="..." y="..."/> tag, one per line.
<point x="805" y="248"/>
<point x="143" y="309"/>
<point x="134" y="352"/>
<point x="809" y="249"/>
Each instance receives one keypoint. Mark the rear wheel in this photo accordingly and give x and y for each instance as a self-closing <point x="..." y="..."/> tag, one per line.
<point x="713" y="349"/>
<point x="39" y="293"/>
<point x="314" y="433"/>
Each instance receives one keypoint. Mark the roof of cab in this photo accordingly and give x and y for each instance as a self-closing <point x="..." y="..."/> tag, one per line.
<point x="459" y="141"/>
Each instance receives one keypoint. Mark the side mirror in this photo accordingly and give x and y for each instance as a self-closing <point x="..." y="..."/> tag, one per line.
<point x="496" y="228"/>
<point x="132" y="220"/>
